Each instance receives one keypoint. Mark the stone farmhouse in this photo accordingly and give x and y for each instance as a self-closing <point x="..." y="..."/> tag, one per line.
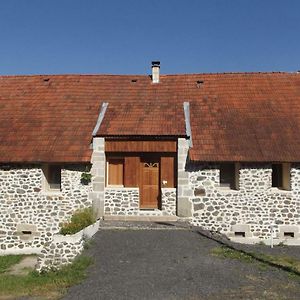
<point x="220" y="150"/>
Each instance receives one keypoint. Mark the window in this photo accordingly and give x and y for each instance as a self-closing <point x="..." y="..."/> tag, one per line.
<point x="115" y="171"/>
<point x="27" y="232"/>
<point x="241" y="231"/>
<point x="52" y="175"/>
<point x="288" y="232"/>
<point x="281" y="176"/>
<point x="229" y="175"/>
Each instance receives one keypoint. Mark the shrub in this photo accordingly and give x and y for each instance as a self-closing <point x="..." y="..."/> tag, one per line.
<point x="80" y="219"/>
<point x="85" y="178"/>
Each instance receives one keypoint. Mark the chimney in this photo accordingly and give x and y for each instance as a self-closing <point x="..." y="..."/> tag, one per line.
<point x="155" y="71"/>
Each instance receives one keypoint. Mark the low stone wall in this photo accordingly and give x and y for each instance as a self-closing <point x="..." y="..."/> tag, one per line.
<point x="121" y="201"/>
<point x="63" y="249"/>
<point x="55" y="255"/>
<point x="168" y="201"/>
<point x="30" y="216"/>
<point x="256" y="203"/>
<point x="126" y="202"/>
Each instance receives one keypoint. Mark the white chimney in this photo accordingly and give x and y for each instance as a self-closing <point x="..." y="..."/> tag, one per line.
<point x="155" y="71"/>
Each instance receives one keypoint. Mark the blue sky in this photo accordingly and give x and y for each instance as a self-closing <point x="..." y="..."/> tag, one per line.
<point x="122" y="37"/>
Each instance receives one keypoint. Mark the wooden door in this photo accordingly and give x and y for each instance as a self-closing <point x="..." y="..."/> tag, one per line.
<point x="150" y="185"/>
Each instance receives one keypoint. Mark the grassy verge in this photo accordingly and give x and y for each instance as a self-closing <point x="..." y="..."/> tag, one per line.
<point x="225" y="252"/>
<point x="285" y="262"/>
<point x="50" y="285"/>
<point x="9" y="260"/>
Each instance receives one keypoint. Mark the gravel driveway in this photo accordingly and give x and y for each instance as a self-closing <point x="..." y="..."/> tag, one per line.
<point x="174" y="264"/>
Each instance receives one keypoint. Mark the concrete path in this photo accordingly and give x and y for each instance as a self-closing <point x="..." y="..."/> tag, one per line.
<point x="174" y="264"/>
<point x="26" y="265"/>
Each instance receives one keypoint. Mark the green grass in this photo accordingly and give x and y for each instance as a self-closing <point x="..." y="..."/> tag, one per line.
<point x="50" y="285"/>
<point x="225" y="252"/>
<point x="292" y="264"/>
<point x="286" y="261"/>
<point x="80" y="219"/>
<point x="9" y="260"/>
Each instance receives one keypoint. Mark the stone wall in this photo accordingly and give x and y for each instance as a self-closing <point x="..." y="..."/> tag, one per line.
<point x="255" y="203"/>
<point x="54" y="255"/>
<point x="25" y="207"/>
<point x="63" y="249"/>
<point x="122" y="201"/>
<point x="126" y="202"/>
<point x="168" y="201"/>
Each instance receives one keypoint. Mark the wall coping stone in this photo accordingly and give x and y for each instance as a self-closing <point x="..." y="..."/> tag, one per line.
<point x="76" y="237"/>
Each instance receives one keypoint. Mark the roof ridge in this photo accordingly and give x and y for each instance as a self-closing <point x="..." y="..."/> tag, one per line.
<point x="147" y="75"/>
<point x="233" y="73"/>
<point x="72" y="74"/>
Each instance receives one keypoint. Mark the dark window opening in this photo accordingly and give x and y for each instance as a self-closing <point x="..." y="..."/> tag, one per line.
<point x="281" y="177"/>
<point x="277" y="175"/>
<point x="54" y="177"/>
<point x="26" y="232"/>
<point x="228" y="176"/>
<point x="289" y="234"/>
<point x="240" y="234"/>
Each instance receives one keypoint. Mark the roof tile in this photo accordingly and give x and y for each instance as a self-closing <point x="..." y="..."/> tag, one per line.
<point x="238" y="116"/>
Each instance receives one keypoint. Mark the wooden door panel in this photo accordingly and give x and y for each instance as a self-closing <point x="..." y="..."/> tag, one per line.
<point x="150" y="177"/>
<point x="132" y="171"/>
<point x="150" y="186"/>
<point x="149" y="197"/>
<point x="115" y="171"/>
<point x="167" y="171"/>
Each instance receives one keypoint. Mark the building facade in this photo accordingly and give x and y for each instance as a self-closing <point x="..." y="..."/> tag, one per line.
<point x="221" y="151"/>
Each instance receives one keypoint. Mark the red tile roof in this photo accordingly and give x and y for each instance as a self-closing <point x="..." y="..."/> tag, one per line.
<point x="143" y="118"/>
<point x="234" y="117"/>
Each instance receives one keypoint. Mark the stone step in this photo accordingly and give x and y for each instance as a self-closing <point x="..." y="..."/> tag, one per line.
<point x="144" y="225"/>
<point x="141" y="218"/>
